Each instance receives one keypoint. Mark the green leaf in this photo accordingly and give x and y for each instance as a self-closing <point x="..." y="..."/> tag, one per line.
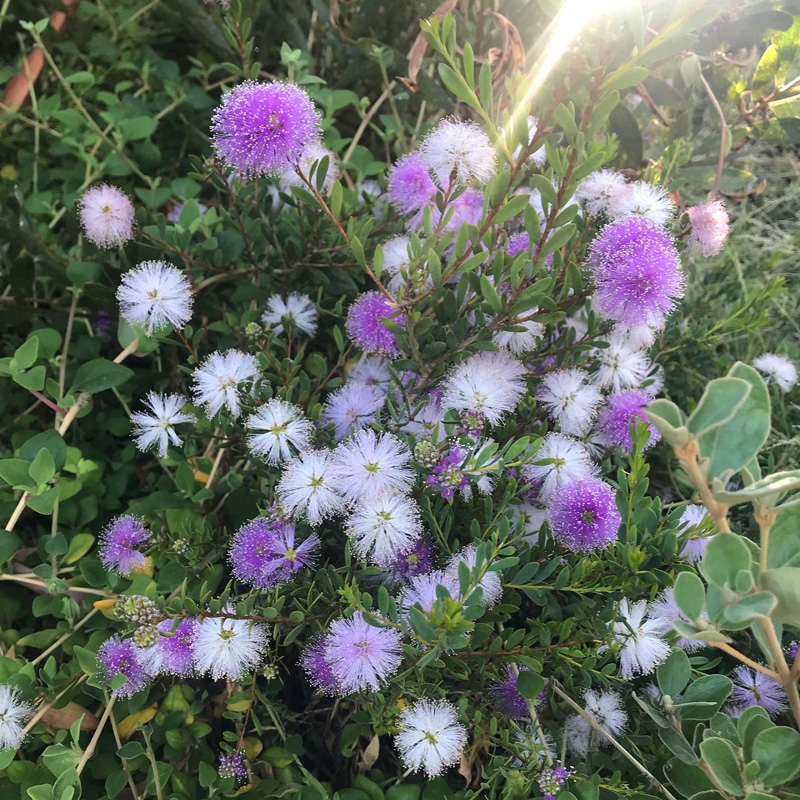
<point x="623" y="78"/>
<point x="669" y="421"/>
<point x="26" y="354"/>
<point x="79" y="546"/>
<point x="784" y="583"/>
<point x="709" y="689"/>
<point x="688" y="780"/>
<point x="99" y="375"/>
<point x="131" y="750"/>
<point x="515" y="206"/>
<point x="758" y="604"/>
<point x="624" y="125"/>
<point x="489" y="294"/>
<point x="784" y="538"/>
<point x="777" y="483"/>
<point x="66" y="781"/>
<point x="777" y="751"/>
<point x="455" y="83"/>
<point x="720" y="758"/>
<point x="674" y="673"/>
<point x="43" y="467"/>
<point x="82" y="272"/>
<point x="138" y="128"/>
<point x="33" y="379"/>
<point x="690" y="595"/>
<point x="52" y="441"/>
<point x="14" y="471"/>
<point x="678" y="745"/>
<point x="725" y="555"/>
<point x="720" y="401"/>
<point x="529" y="684"/>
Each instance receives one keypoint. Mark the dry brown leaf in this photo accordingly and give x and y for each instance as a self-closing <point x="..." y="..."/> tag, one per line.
<point x="371" y="752"/>
<point x="417" y="51"/>
<point x="63" y="718"/>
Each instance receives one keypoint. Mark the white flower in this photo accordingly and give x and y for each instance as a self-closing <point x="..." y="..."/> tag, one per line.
<point x="635" y="337"/>
<point x="606" y="709"/>
<point x="488" y="383"/>
<point x="458" y="151"/>
<point x="427" y="422"/>
<point x="306" y="487"/>
<point x="777" y="368"/>
<point x="219" y="379"/>
<point x="642" y="199"/>
<point x="296" y="310"/>
<point x="284" y="428"/>
<point x="430" y="737"/>
<point x="533" y="516"/>
<point x="490" y="583"/>
<point x="13" y="714"/>
<point x="384" y="525"/>
<point x="619" y="367"/>
<point x="372" y="370"/>
<point x="157" y="426"/>
<point x="227" y="648"/>
<point x="522" y="341"/>
<point x="155" y="294"/>
<point x="664" y="610"/>
<point x="313" y="153"/>
<point x="395" y="254"/>
<point x="599" y="189"/>
<point x="641" y="647"/>
<point x="570" y="399"/>
<point x="570" y="461"/>
<point x="368" y="464"/>
<point x="538" y="156"/>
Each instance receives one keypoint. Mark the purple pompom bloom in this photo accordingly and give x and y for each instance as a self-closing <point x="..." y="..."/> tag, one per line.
<point x="365" y="324"/>
<point x="262" y="128"/>
<point x="118" y="544"/>
<point x="614" y="420"/>
<point x="584" y="516"/>
<point x="448" y="476"/>
<point x="467" y="208"/>
<point x="416" y="559"/>
<point x="234" y="766"/>
<point x="318" y="668"/>
<point x="506" y="694"/>
<point x="637" y="272"/>
<point x="265" y="555"/>
<point x="121" y="657"/>
<point x="753" y="688"/>
<point x="172" y="653"/>
<point x="410" y="186"/>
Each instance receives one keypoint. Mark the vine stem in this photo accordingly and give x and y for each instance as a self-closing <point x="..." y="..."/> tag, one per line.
<point x="723" y="133"/>
<point x="765" y="517"/>
<point x="785" y="674"/>
<point x="118" y="740"/>
<point x="597" y="727"/>
<point x="34" y="581"/>
<point x="687" y="455"/>
<point x="732" y="651"/>
<point x="87" y="754"/>
<point x="129" y="350"/>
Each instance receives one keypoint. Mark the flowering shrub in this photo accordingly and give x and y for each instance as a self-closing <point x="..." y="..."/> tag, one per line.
<point x="330" y="476"/>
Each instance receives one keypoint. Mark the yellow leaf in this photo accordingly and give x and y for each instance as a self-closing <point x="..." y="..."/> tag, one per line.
<point x="106" y="606"/>
<point x="201" y="477"/>
<point x="145" y="569"/>
<point x="127" y="727"/>
<point x="252" y="747"/>
<point x="239" y="705"/>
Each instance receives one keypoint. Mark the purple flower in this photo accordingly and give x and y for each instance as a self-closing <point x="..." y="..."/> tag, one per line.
<point x="118" y="543"/>
<point x="121" y="657"/>
<point x="172" y="653"/>
<point x="352" y="407"/>
<point x="262" y="128"/>
<point x="467" y="208"/>
<point x="410" y="187"/>
<point x="506" y="694"/>
<point x="416" y="559"/>
<point x="448" y="476"/>
<point x="103" y="324"/>
<point x="365" y="324"/>
<point x="584" y="515"/>
<point x="521" y="242"/>
<point x="636" y="269"/>
<point x="234" y="766"/>
<point x="264" y="553"/>
<point x="360" y="655"/>
<point x="318" y="668"/>
<point x="793" y="649"/>
<point x="753" y="688"/>
<point x="615" y="418"/>
<point x="552" y="779"/>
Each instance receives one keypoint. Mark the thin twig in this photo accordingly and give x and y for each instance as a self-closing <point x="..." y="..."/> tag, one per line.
<point x="93" y="743"/>
<point x="723" y="137"/>
<point x="43" y="655"/>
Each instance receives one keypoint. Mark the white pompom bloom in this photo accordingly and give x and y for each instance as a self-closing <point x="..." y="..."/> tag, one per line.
<point x="371" y="370"/>
<point x="490" y="583"/>
<point x="777" y="368"/>
<point x="641" y="647"/>
<point x="313" y="153"/>
<point x="297" y="311"/>
<point x="458" y="152"/>
<point x="635" y="337"/>
<point x="619" y="367"/>
<point x="569" y="461"/>
<point x="606" y="709"/>
<point x="106" y="214"/>
<point x="281" y="431"/>
<point x="227" y="648"/>
<point x="395" y="254"/>
<point x="13" y="714"/>
<point x="306" y="487"/>
<point x="598" y="190"/>
<point x="155" y="294"/>
<point x="156" y="427"/>
<point x="570" y="399"/>
<point x="523" y="341"/>
<point x="220" y="379"/>
<point x="383" y="526"/>
<point x="430" y="738"/>
<point x="533" y="518"/>
<point x="644" y="200"/>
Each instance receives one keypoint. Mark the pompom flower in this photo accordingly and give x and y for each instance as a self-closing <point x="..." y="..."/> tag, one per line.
<point x="234" y="766"/>
<point x="519" y="341"/>
<point x="360" y="655"/>
<point x="636" y="269"/>
<point x="121" y="657"/>
<point x="695" y="546"/>
<point x="156" y="427"/>
<point x="569" y="461"/>
<point x="417" y="559"/>
<point x="422" y="590"/>
<point x="708" y="227"/>
<point x="261" y="128"/>
<point x="119" y="543"/>
<point x="226" y="647"/>
<point x="644" y="200"/>
<point x="371" y="371"/>
<point x="410" y="187"/>
<point x="507" y="697"/>
<point x="220" y="379"/>
<point x="296" y="312"/>
<point x="278" y="431"/>
<point x="641" y="648"/>
<point x="616" y="417"/>
<point x="366" y="328"/>
<point x="490" y="583"/>
<point x="618" y="366"/>
<point x="570" y="399"/>
<point x="352" y="407"/>
<point x="584" y="515"/>
<point x="13" y="714"/>
<point x="664" y="611"/>
<point x="307" y="488"/>
<point x="753" y="688"/>
<point x="312" y="155"/>
<point x="264" y="553"/>
<point x="458" y="153"/>
<point x="606" y="709"/>
<point x="155" y="294"/>
<point x="383" y="526"/>
<point x="598" y="191"/>
<point x="318" y="668"/>
<point x="106" y="215"/>
<point x="172" y="652"/>
<point x="430" y="738"/>
<point x="777" y="368"/>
